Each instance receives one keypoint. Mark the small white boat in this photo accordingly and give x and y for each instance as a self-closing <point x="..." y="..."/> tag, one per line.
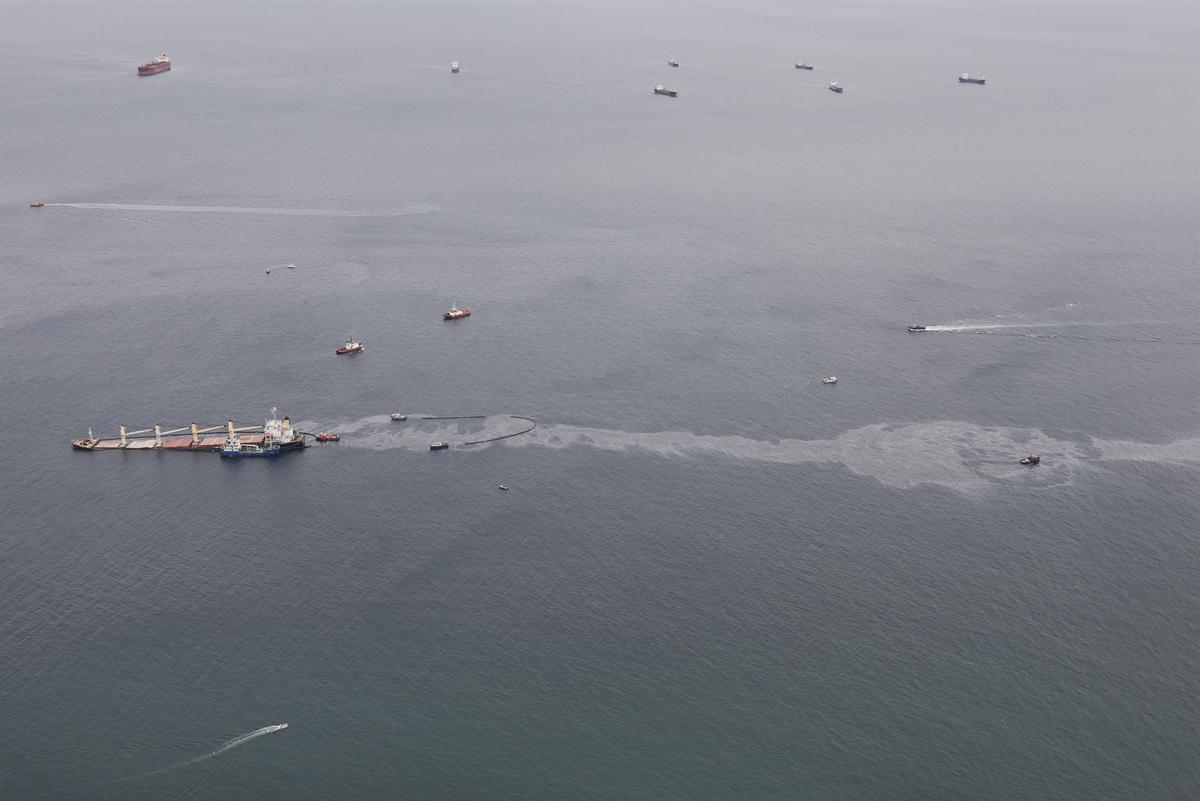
<point x="834" y="87"/>
<point x="829" y="380"/>
<point x="454" y="66"/>
<point x="400" y="418"/>
<point x="503" y="487"/>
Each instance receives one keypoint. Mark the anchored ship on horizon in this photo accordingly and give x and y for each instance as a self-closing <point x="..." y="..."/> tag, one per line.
<point x="160" y="63"/>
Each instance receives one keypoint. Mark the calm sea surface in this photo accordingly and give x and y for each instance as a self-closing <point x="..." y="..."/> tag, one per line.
<point x="713" y="577"/>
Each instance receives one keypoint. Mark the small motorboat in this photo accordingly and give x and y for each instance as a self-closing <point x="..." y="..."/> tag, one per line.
<point x="399" y="418"/>
<point x="323" y="437"/>
<point x="916" y="327"/>
<point x="671" y="62"/>
<point x="803" y="65"/>
<point x="454" y="67"/>
<point x="439" y="445"/>
<point x="833" y="87"/>
<point x="503" y="487"/>
<point x="829" y="380"/>
<point x="350" y="347"/>
<point x="659" y="89"/>
<point x="37" y="204"/>
<point x="1032" y="459"/>
<point x="455" y="313"/>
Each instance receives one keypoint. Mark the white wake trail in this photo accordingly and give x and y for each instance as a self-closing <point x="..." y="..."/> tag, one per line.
<point x="241" y="739"/>
<point x="415" y="208"/>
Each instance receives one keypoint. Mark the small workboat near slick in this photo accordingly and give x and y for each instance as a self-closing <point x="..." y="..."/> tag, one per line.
<point x="399" y="418"/>
<point x="351" y="346"/>
<point x="323" y="437"/>
<point x="1031" y="459"/>
<point x="439" y="445"/>
<point x="455" y="313"/>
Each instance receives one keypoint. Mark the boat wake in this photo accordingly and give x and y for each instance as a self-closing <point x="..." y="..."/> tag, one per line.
<point x="241" y="739"/>
<point x="412" y="208"/>
<point x="952" y="454"/>
<point x="1020" y="330"/>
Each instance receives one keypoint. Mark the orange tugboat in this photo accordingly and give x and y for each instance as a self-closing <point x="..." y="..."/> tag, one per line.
<point x="155" y="65"/>
<point x="323" y="437"/>
<point x="456" y="313"/>
<point x="37" y="204"/>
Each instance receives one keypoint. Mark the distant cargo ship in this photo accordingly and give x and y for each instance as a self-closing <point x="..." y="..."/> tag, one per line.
<point x="803" y="65"/>
<point x="659" y="89"/>
<point x="156" y="65"/>
<point x="833" y="87"/>
<point x="966" y="77"/>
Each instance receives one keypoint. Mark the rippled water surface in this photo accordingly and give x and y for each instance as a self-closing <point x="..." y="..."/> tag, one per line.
<point x="712" y="577"/>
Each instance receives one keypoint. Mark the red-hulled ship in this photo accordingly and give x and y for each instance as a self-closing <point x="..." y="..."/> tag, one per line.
<point x="157" y="64"/>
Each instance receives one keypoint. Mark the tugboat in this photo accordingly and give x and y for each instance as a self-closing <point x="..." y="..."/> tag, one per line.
<point x="966" y="77"/>
<point x="454" y="67"/>
<point x="439" y="445"/>
<point x="456" y="313"/>
<point x="803" y="65"/>
<point x="659" y="89"/>
<point x="916" y="327"/>
<point x="323" y="437"/>
<point x="351" y="347"/>
<point x="672" y="62"/>
<point x="399" y="418"/>
<point x="155" y="65"/>
<point x="1032" y="459"/>
<point x="830" y="380"/>
<point x="37" y="204"/>
<point x="234" y="448"/>
<point x="833" y="87"/>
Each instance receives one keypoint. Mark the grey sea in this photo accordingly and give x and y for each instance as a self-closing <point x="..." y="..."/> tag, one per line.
<point x="712" y="577"/>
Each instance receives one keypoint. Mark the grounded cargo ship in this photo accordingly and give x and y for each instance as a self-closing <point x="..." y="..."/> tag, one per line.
<point x="274" y="433"/>
<point x="156" y="65"/>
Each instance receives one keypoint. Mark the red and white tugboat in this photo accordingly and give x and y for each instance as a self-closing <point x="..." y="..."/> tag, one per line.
<point x="37" y="204"/>
<point x="323" y="437"/>
<point x="350" y="347"/>
<point x="1031" y="459"/>
<point x="456" y="313"/>
<point x="155" y="65"/>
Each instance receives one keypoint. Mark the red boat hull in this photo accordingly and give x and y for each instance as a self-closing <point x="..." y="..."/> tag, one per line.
<point x="344" y="351"/>
<point x="153" y="69"/>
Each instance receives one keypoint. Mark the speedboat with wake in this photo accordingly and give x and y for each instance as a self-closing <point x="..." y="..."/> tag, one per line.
<point x="916" y="327"/>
